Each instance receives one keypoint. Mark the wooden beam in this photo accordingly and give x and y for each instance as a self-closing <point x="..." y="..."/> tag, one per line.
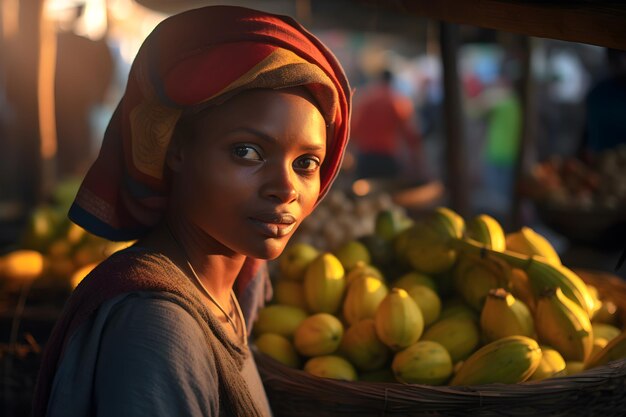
<point x="599" y="22"/>
<point x="526" y="156"/>
<point x="456" y="177"/>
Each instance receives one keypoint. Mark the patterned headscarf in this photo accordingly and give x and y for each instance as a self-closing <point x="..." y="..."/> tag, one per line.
<point x="190" y="61"/>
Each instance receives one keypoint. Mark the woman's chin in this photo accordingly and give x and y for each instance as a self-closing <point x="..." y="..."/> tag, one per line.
<point x="274" y="248"/>
<point x="271" y="249"/>
<point x="273" y="253"/>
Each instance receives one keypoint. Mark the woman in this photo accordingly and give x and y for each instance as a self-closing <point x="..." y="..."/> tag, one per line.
<point x="231" y="129"/>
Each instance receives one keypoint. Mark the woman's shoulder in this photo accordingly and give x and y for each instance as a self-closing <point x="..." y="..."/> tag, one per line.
<point x="149" y="338"/>
<point x="134" y="260"/>
<point x="145" y="322"/>
<point x="150" y="313"/>
<point x="140" y="354"/>
<point x="144" y="331"/>
<point x="130" y="270"/>
<point x="147" y="326"/>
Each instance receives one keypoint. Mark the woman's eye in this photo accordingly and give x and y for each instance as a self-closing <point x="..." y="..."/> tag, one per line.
<point x="247" y="152"/>
<point x="307" y="164"/>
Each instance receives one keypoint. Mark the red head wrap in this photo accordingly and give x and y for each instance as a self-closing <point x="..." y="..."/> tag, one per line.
<point x="192" y="60"/>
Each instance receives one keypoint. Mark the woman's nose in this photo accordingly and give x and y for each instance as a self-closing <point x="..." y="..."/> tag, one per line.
<point x="281" y="185"/>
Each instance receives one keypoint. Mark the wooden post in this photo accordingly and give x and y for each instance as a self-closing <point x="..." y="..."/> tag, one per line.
<point x="455" y="168"/>
<point x="21" y="70"/>
<point x="526" y="155"/>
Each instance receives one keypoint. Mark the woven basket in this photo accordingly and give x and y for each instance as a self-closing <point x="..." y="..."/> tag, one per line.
<point x="595" y="392"/>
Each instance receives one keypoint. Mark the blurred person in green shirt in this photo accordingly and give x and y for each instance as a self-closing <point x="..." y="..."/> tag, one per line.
<point x="501" y="108"/>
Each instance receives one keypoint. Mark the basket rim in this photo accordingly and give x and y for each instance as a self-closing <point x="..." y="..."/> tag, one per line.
<point x="612" y="370"/>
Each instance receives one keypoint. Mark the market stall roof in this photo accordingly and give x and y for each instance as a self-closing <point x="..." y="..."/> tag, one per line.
<point x="598" y="22"/>
<point x="588" y="21"/>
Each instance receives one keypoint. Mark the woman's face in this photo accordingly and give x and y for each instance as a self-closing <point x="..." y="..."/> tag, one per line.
<point x="251" y="173"/>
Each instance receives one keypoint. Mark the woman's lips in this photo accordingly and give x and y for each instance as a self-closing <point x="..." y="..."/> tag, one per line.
<point x="274" y="224"/>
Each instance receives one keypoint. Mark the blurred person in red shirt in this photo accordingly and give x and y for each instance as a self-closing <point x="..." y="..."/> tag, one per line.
<point x="380" y="119"/>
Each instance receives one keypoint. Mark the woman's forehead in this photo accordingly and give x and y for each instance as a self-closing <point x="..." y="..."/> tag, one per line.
<point x="270" y="110"/>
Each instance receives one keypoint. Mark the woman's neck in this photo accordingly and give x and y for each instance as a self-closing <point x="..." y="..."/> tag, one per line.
<point x="217" y="267"/>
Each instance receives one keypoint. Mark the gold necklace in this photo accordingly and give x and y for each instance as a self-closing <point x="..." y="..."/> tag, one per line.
<point x="240" y="333"/>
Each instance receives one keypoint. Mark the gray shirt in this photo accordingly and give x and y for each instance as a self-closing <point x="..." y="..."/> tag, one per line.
<point x="141" y="356"/>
